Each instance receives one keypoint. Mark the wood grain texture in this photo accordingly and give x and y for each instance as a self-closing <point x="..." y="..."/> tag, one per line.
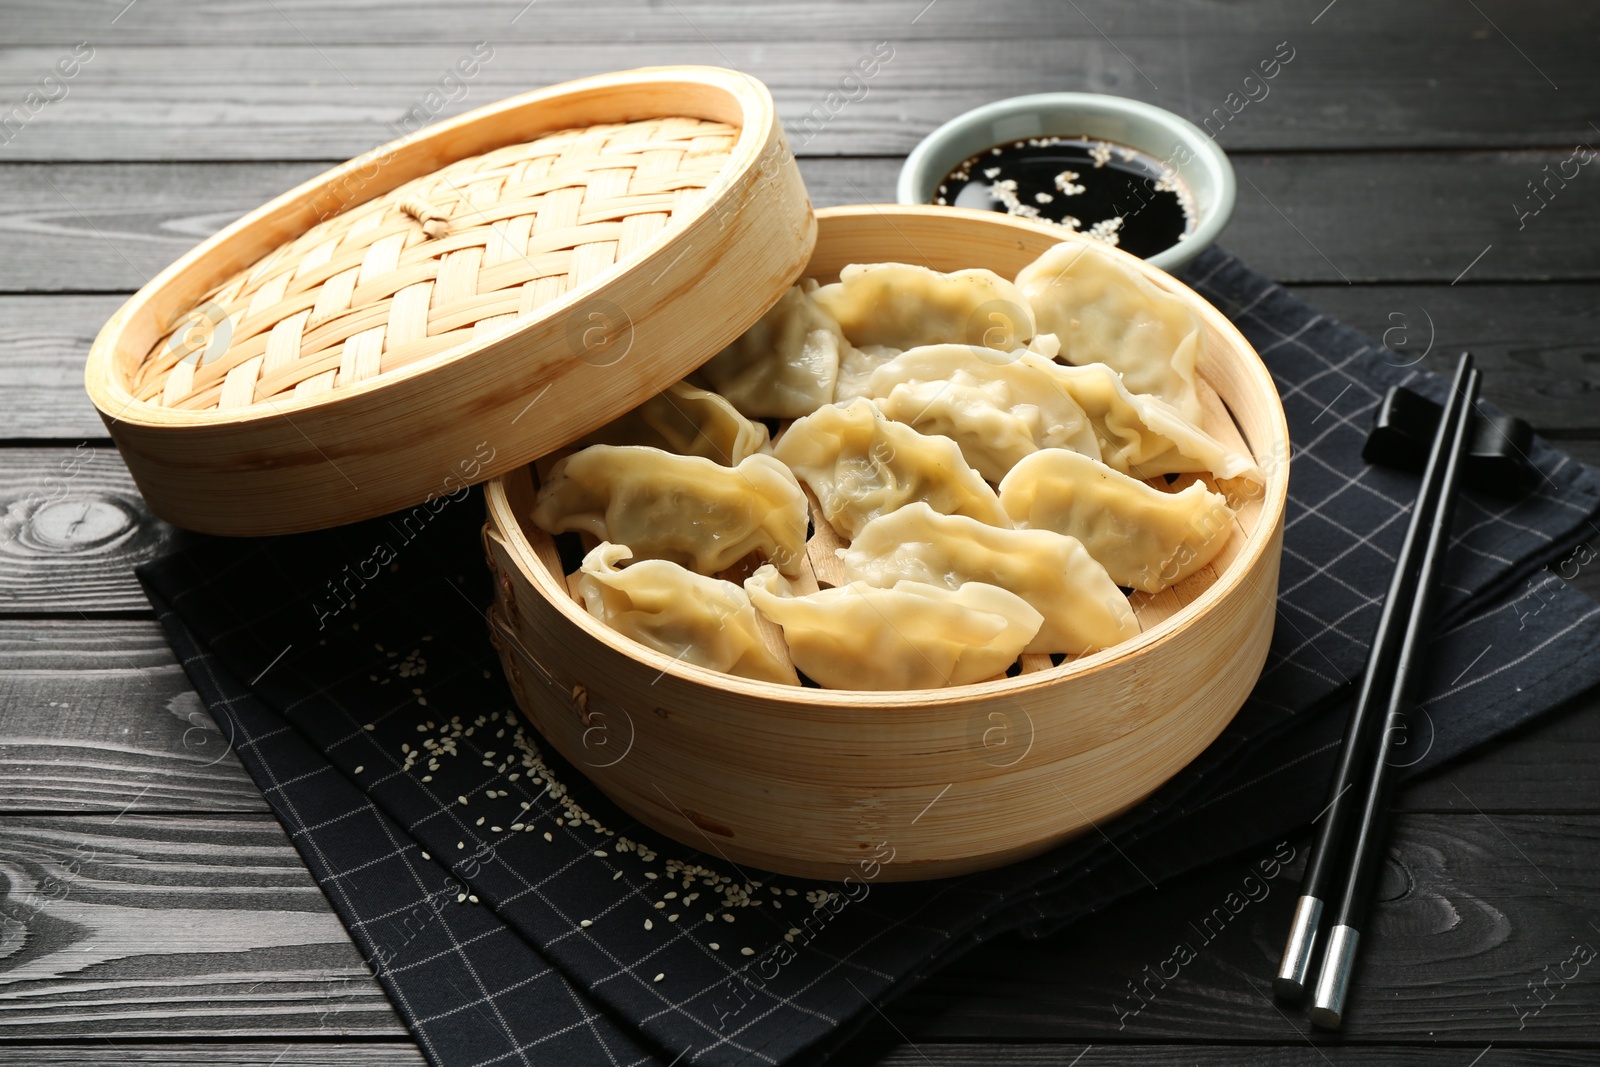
<point x="72" y="527"/>
<point x="1357" y="217"/>
<point x="209" y="926"/>
<point x="1471" y="909"/>
<point x="72" y="539"/>
<point x="99" y="717"/>
<point x="1538" y="345"/>
<point x="236" y="80"/>
<point x="1345" y="85"/>
<point x="43" y="342"/>
<point x="59" y="505"/>
<point x="1344" y="217"/>
<point x="260" y="22"/>
<point x="144" y="924"/>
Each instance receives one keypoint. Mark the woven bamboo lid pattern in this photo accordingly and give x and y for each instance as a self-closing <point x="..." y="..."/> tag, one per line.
<point x="444" y="259"/>
<point x="454" y="304"/>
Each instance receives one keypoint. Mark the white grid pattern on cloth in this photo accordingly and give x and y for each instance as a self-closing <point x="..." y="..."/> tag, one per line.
<point x="334" y="879"/>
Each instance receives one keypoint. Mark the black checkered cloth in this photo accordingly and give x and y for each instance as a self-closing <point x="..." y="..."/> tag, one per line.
<point x="514" y="915"/>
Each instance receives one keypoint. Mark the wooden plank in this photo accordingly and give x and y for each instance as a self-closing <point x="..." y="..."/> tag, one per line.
<point x="1537" y="345"/>
<point x="114" y="227"/>
<point x="1350" y="82"/>
<point x="1322" y="1054"/>
<point x="1515" y="774"/>
<point x="1363" y="78"/>
<point x="43" y="344"/>
<point x="1390" y="217"/>
<point x="74" y="527"/>
<point x="1471" y="911"/>
<point x="1557" y="756"/>
<point x="104" y="670"/>
<point x="96" y="716"/>
<point x="166" y="926"/>
<point x="258" y="22"/>
<point x="1414" y="218"/>
<point x="99" y="717"/>
<point x="208" y="926"/>
<point x="1358" y="217"/>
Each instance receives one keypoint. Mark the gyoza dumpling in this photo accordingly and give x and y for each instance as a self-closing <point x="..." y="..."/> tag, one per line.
<point x="860" y="465"/>
<point x="1082" y="607"/>
<point x="785" y="365"/>
<point x="1047" y="345"/>
<point x="699" y="620"/>
<point x="1143" y="435"/>
<point x="910" y="636"/>
<point x="688" y="421"/>
<point x="903" y="306"/>
<point x="856" y="367"/>
<point x="1104" y="311"/>
<point x="996" y="407"/>
<point x="1145" y="539"/>
<point x="686" y="509"/>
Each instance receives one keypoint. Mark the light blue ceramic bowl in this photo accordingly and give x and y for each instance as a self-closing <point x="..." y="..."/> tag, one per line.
<point x="1200" y="164"/>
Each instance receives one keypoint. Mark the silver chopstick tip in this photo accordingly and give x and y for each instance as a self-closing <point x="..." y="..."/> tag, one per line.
<point x="1290" y="983"/>
<point x="1327" y="1004"/>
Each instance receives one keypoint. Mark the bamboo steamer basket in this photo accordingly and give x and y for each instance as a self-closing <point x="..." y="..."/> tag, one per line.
<point x="818" y="783"/>
<point x="499" y="283"/>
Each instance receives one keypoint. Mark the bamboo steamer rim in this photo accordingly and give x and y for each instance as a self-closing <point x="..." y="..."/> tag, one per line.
<point x="1271" y="454"/>
<point x="305" y="362"/>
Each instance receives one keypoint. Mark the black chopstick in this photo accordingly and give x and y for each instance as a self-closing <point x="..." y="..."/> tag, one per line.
<point x="1361" y="872"/>
<point x="1362" y="732"/>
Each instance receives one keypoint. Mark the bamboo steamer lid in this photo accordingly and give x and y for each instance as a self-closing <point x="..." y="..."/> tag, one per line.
<point x="454" y="304"/>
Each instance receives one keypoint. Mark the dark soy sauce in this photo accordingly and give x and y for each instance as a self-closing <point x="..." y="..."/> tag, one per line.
<point x="1111" y="192"/>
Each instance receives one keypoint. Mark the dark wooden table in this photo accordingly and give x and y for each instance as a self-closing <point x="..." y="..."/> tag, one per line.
<point x="157" y="912"/>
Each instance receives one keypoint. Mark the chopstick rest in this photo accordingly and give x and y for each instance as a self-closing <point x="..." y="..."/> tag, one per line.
<point x="1362" y="736"/>
<point x="1360" y="873"/>
<point x="1405" y="423"/>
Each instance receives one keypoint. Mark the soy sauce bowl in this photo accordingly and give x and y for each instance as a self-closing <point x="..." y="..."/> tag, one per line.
<point x="1201" y="166"/>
